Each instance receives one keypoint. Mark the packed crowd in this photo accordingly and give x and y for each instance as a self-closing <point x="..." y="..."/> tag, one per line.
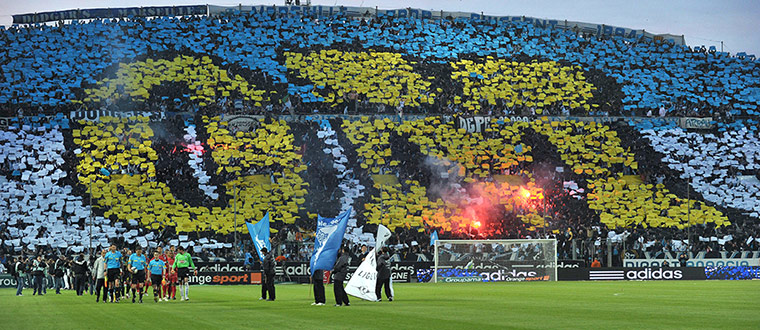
<point x="377" y="64"/>
<point x="528" y="180"/>
<point x="195" y="179"/>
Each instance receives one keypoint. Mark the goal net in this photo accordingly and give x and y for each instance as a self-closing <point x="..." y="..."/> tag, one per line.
<point x="495" y="260"/>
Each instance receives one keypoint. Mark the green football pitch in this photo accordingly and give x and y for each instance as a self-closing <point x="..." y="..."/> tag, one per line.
<point x="584" y="305"/>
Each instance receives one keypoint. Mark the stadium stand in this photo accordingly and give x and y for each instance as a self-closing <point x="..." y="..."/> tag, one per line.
<point x="651" y="74"/>
<point x="164" y="157"/>
<point x="534" y="85"/>
<point x="390" y="206"/>
<point x="380" y="77"/>
<point x="39" y="206"/>
<point x="723" y="168"/>
<point x="351" y="187"/>
<point x="136" y="79"/>
<point x="594" y="150"/>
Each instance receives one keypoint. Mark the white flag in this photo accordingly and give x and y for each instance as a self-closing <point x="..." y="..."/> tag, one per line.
<point x="383" y="234"/>
<point x="363" y="281"/>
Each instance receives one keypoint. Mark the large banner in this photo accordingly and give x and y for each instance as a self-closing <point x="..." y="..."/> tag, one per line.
<point x="567" y="270"/>
<point x="632" y="274"/>
<point x="732" y="273"/>
<point x="363" y="281"/>
<point x="224" y="267"/>
<point x="696" y="123"/>
<point x="247" y="123"/>
<point x="696" y="262"/>
<point x="516" y="271"/>
<point x="225" y="278"/>
<point x="659" y="273"/>
<point x="7" y="281"/>
<point x="72" y="14"/>
<point x="401" y="272"/>
<point x="356" y="12"/>
<point x="478" y="124"/>
<point x="94" y="115"/>
<point x="359" y="12"/>
<point x="88" y="115"/>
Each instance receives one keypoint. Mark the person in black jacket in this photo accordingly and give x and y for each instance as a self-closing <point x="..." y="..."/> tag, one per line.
<point x="18" y="273"/>
<point x="319" y="287"/>
<point x="363" y="253"/>
<point x="38" y="270"/>
<point x="59" y="268"/>
<point x="21" y="272"/>
<point x="383" y="275"/>
<point x="267" y="268"/>
<point x="340" y="270"/>
<point x="9" y="266"/>
<point x="79" y="267"/>
<point x="682" y="259"/>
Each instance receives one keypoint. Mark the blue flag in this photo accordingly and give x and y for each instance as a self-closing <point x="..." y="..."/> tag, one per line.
<point x="329" y="237"/>
<point x="260" y="235"/>
<point x="433" y="237"/>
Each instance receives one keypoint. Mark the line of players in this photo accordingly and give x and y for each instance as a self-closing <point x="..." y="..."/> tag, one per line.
<point x="164" y="272"/>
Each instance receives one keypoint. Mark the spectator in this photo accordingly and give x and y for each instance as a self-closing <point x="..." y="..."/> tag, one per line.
<point x="39" y="268"/>
<point x="59" y="268"/>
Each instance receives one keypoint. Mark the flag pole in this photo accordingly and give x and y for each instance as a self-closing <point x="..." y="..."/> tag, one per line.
<point x="234" y="248"/>
<point x="89" y="249"/>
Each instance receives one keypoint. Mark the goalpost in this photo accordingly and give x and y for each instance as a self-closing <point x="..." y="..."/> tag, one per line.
<point x="495" y="260"/>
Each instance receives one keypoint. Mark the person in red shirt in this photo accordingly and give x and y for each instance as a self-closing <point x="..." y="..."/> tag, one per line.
<point x="596" y="263"/>
<point x="170" y="282"/>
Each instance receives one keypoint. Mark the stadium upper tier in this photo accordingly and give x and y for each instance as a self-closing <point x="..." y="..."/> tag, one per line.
<point x="513" y="179"/>
<point x="465" y="65"/>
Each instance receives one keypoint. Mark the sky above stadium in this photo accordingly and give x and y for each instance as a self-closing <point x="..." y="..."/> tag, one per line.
<point x="702" y="22"/>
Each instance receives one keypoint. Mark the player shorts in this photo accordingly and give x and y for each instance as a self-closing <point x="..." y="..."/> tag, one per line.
<point x="138" y="277"/>
<point x="126" y="276"/>
<point x="183" y="273"/>
<point x="155" y="279"/>
<point x="113" y="274"/>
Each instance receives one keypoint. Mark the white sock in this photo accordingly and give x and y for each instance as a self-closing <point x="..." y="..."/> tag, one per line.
<point x="187" y="290"/>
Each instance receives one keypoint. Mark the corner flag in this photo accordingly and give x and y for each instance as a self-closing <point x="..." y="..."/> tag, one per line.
<point x="260" y="234"/>
<point x="327" y="242"/>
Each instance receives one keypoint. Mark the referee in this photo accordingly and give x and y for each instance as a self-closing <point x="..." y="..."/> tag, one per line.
<point x="137" y="264"/>
<point x="156" y="268"/>
<point x="113" y="270"/>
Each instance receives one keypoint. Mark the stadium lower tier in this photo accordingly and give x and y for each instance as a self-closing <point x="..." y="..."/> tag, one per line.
<point x="138" y="178"/>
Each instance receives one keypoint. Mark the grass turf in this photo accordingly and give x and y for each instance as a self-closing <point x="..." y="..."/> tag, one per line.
<point x="605" y="305"/>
